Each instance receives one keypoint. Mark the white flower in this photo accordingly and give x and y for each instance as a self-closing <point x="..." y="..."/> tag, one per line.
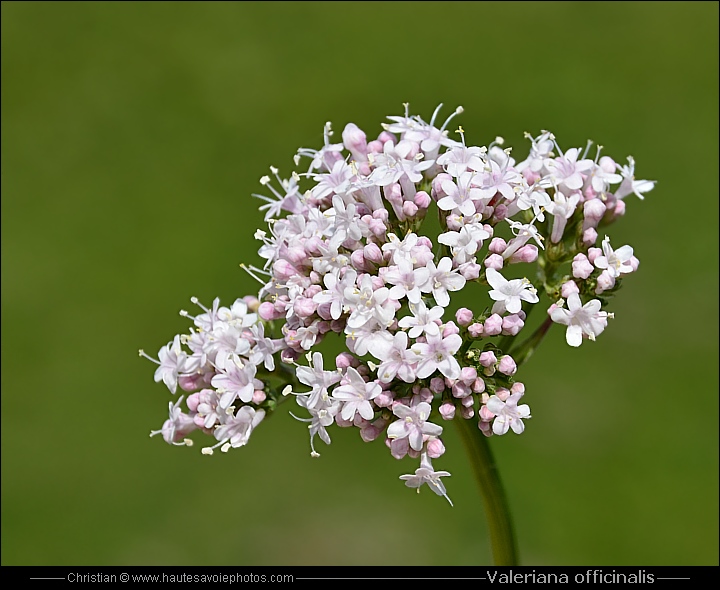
<point x="356" y="395"/>
<point x="567" y="171"/>
<point x="460" y="159"/>
<point x="422" y="320"/>
<point x="561" y="208"/>
<point x="443" y="279"/>
<point x="322" y="416"/>
<point x="630" y="185"/>
<point x="508" y="414"/>
<point x="316" y="377"/>
<point x="413" y="424"/>
<point x="509" y="295"/>
<point x="426" y="474"/>
<point x="396" y="358"/>
<point x="236" y="381"/>
<point x="173" y="362"/>
<point x="464" y="242"/>
<point x="580" y="319"/>
<point x="177" y="426"/>
<point x="236" y="430"/>
<point x="408" y="281"/>
<point x="460" y="196"/>
<point x="367" y="304"/>
<point x="616" y="262"/>
<point x="438" y="353"/>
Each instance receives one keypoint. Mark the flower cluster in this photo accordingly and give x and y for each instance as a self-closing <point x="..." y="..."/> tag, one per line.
<point x="344" y="254"/>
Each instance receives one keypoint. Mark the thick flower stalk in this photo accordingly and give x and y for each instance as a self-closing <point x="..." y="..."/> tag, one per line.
<point x="344" y="255"/>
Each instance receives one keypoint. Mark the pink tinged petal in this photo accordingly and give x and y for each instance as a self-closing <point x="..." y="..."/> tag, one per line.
<point x="397" y="429"/>
<point x="529" y="296"/>
<point x="500" y="425"/>
<point x="624" y="253"/>
<point x="574" y="181"/>
<point x="406" y="373"/>
<point x="441" y="297"/>
<point x="513" y="304"/>
<point x="416" y="439"/>
<point x="601" y="262"/>
<point x="523" y="411"/>
<point x="449" y="367"/>
<point x="495" y="405"/>
<point x="425" y="368"/>
<point x="432" y="429"/>
<point x="574" y="302"/>
<point x="518" y="426"/>
<point x="366" y="410"/>
<point x="348" y="411"/>
<point x="447" y="204"/>
<point x="574" y="335"/>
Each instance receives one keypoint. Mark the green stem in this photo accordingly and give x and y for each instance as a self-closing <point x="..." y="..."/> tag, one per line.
<point x="497" y="510"/>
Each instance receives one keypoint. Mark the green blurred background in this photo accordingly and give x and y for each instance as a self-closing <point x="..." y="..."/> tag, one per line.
<point x="132" y="137"/>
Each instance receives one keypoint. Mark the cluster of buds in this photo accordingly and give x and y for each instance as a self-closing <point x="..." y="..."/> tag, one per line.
<point x="344" y="254"/>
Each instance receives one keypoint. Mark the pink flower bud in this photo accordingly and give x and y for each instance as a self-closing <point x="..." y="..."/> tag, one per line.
<point x="386" y="136"/>
<point x="375" y="147"/>
<point x="410" y="209"/>
<point x="488" y="358"/>
<point x="486" y="414"/>
<point x="373" y="253"/>
<point x="193" y="401"/>
<point x="437" y="384"/>
<point x="467" y="413"/>
<point x="296" y="255"/>
<point x="475" y="330"/>
<point x="494" y="261"/>
<point x="369" y="433"/>
<point x="568" y="289"/>
<point x="619" y="209"/>
<point x="450" y="329"/>
<point x="478" y="385"/>
<point x="500" y="212"/>
<point x="593" y="210"/>
<point x="355" y="141"/>
<point x="470" y="270"/>
<point x="590" y="236"/>
<point x="422" y="200"/>
<point x="304" y="307"/>
<point x="530" y="176"/>
<point x="507" y="365"/>
<point x="528" y="253"/>
<point x="447" y="410"/>
<point x="502" y="393"/>
<point x="607" y="164"/>
<point x="393" y="193"/>
<point x="512" y="324"/>
<point x="268" y="312"/>
<point x="460" y="390"/>
<point x="593" y="253"/>
<point x="468" y="375"/>
<point x="464" y="316"/>
<point x="634" y="263"/>
<point x="497" y="246"/>
<point x="436" y="191"/>
<point x="493" y="325"/>
<point x="258" y="396"/>
<point x="467" y="402"/>
<point x="384" y="399"/>
<point x="581" y="267"/>
<point x="358" y="260"/>
<point x="435" y="448"/>
<point x="604" y="282"/>
<point x="284" y="270"/>
<point x="518" y="388"/>
<point x="454" y="222"/>
<point x="190" y="382"/>
<point x="345" y="360"/>
<point x="399" y="447"/>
